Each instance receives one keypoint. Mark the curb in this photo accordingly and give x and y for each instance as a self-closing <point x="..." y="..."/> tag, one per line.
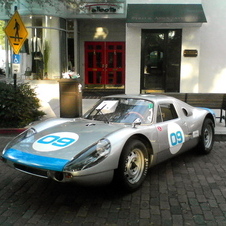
<point x="11" y="130"/>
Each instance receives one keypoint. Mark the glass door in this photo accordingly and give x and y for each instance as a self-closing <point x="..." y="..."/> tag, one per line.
<point x="115" y="64"/>
<point x="160" y="60"/>
<point x="104" y="64"/>
<point x="94" y="63"/>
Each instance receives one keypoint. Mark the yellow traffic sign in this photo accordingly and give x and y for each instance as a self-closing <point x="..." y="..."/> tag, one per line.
<point x="16" y="32"/>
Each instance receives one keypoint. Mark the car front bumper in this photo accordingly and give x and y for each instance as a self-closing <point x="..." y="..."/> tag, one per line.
<point x="100" y="178"/>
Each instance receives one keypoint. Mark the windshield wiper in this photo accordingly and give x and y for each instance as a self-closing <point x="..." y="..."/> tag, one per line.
<point x="100" y="111"/>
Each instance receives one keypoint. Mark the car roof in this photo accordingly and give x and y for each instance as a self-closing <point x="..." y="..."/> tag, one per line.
<point x="150" y="97"/>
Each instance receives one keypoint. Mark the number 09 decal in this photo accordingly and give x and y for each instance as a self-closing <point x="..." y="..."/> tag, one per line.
<point x="55" y="141"/>
<point x="175" y="137"/>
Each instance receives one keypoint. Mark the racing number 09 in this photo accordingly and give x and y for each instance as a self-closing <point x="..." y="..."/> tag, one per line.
<point x="176" y="138"/>
<point x="56" y="140"/>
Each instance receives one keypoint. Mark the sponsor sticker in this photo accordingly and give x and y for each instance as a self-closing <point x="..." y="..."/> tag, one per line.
<point x="195" y="133"/>
<point x="55" y="141"/>
<point x="175" y="137"/>
<point x="159" y="128"/>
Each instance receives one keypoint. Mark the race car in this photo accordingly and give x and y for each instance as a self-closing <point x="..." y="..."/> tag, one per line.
<point x="117" y="140"/>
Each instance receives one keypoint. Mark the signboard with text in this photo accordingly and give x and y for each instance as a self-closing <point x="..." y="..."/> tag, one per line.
<point x="102" y="8"/>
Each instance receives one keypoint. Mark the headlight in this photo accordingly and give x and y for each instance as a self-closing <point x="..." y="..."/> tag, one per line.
<point x="90" y="157"/>
<point x="26" y="134"/>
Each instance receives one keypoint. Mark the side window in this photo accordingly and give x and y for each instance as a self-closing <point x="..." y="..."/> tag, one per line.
<point x="166" y="112"/>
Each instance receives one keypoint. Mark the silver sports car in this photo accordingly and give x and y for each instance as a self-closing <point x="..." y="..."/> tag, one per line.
<point x="117" y="140"/>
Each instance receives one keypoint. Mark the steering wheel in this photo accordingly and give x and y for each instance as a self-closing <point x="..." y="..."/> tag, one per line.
<point x="138" y="114"/>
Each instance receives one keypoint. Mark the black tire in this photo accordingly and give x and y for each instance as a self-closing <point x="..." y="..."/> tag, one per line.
<point x="133" y="165"/>
<point x="207" y="137"/>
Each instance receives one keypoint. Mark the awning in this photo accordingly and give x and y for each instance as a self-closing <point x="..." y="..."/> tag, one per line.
<point x="165" y="13"/>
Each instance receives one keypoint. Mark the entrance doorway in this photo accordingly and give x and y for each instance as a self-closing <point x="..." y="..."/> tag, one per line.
<point x="105" y="65"/>
<point x="160" y="60"/>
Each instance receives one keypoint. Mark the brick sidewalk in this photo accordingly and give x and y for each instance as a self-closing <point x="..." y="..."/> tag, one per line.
<point x="187" y="190"/>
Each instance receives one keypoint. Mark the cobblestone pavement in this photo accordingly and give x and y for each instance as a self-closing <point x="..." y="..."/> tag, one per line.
<point x="187" y="190"/>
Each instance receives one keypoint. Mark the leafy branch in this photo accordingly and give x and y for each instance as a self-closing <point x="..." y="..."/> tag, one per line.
<point x="55" y="4"/>
<point x="8" y="4"/>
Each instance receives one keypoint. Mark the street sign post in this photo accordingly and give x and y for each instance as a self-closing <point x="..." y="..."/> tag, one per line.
<point x="16" y="32"/>
<point x="16" y="59"/>
<point x="16" y="63"/>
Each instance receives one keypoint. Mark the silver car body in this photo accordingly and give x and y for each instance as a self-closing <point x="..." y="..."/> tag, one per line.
<point x="56" y="142"/>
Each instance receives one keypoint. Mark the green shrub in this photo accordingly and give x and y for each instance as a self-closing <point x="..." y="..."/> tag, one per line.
<point x="18" y="107"/>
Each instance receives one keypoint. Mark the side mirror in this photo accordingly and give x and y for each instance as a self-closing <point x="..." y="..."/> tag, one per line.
<point x="136" y="122"/>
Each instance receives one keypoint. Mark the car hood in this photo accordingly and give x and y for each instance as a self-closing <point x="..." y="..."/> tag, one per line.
<point x="60" y="143"/>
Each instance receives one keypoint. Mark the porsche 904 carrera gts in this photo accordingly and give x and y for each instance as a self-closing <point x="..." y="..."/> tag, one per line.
<point x="118" y="140"/>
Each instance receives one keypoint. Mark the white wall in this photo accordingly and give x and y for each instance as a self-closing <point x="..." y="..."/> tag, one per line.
<point x="205" y="73"/>
<point x="189" y="65"/>
<point x="191" y="38"/>
<point x="53" y="37"/>
<point x="133" y="56"/>
<point x="213" y="48"/>
<point x="189" y="82"/>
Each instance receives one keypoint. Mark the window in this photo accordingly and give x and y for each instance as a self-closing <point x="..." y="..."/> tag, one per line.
<point x="166" y="112"/>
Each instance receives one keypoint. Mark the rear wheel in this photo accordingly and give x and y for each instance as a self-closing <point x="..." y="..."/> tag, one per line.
<point x="133" y="165"/>
<point x="207" y="137"/>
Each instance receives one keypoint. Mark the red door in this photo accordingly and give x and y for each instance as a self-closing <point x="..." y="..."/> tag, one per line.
<point x="105" y="63"/>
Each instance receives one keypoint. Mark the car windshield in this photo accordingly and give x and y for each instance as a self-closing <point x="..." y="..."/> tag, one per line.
<point x="123" y="110"/>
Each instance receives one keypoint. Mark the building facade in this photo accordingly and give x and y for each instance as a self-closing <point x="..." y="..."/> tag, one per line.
<point x="133" y="46"/>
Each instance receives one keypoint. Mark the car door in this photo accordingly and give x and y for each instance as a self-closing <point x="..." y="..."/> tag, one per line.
<point x="172" y="131"/>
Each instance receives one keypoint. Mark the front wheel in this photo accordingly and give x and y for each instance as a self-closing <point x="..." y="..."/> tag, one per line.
<point x="133" y="165"/>
<point x="207" y="137"/>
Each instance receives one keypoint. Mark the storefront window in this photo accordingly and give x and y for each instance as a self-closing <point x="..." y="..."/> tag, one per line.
<point x="2" y="48"/>
<point x="43" y="55"/>
<point x="70" y="46"/>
